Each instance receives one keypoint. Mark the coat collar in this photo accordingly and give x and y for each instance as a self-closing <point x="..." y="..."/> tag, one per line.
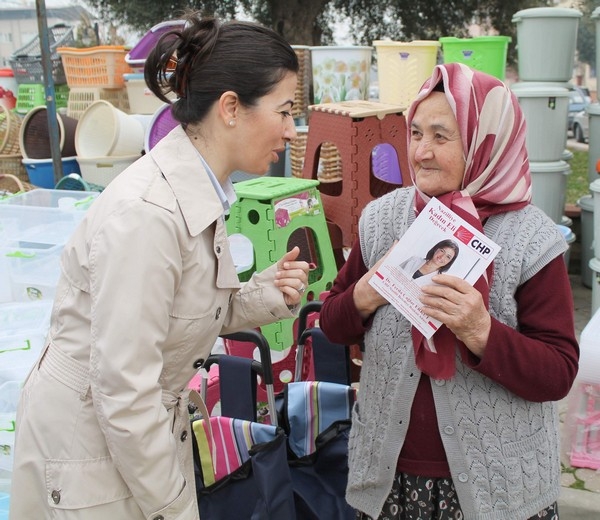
<point x="183" y="170"/>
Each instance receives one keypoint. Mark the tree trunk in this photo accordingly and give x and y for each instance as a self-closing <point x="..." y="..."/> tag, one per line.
<point x="296" y="20"/>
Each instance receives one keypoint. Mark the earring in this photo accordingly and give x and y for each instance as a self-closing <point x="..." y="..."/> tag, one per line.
<point x="232" y="122"/>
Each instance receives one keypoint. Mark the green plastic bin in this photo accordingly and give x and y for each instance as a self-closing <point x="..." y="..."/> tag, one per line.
<point x="484" y="53"/>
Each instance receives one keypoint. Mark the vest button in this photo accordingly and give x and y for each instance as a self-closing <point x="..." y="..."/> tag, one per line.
<point x="448" y="430"/>
<point x="463" y="477"/>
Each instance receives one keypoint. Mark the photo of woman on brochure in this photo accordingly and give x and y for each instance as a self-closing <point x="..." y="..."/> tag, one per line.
<point x="438" y="260"/>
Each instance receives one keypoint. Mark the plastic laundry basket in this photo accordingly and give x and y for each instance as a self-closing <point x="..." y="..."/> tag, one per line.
<point x="484" y="53"/>
<point x="546" y="42"/>
<point x="161" y="124"/>
<point x="402" y="68"/>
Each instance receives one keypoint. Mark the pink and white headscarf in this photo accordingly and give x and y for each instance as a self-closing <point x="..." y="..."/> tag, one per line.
<point x="497" y="176"/>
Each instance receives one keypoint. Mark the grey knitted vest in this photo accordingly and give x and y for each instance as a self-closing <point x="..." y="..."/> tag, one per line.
<point x="503" y="451"/>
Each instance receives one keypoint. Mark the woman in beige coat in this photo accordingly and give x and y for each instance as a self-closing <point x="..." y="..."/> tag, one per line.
<point x="147" y="285"/>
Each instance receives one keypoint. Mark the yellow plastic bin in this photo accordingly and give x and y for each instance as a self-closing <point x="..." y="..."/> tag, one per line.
<point x="403" y="67"/>
<point x="484" y="53"/>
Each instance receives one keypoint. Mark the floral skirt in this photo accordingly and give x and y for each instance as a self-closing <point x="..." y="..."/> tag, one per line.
<point x="425" y="498"/>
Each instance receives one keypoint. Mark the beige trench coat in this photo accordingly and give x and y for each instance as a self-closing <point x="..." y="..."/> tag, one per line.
<point x="147" y="285"/>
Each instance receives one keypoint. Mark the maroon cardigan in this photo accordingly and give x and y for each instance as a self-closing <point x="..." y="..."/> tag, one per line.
<point x="538" y="362"/>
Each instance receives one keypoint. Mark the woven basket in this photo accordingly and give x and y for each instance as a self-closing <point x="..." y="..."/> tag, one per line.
<point x="13" y="165"/>
<point x="10" y="124"/>
<point x="11" y="184"/>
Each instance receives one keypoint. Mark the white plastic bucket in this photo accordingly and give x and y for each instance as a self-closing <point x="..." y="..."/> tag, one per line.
<point x="595" y="267"/>
<point x="549" y="184"/>
<point x="545" y="109"/>
<point x="340" y="73"/>
<point x="104" y="130"/>
<point x="403" y="67"/>
<point x="595" y="189"/>
<point x="546" y="42"/>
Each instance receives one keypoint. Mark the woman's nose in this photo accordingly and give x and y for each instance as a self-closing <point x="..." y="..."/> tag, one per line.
<point x="423" y="150"/>
<point x="290" y="133"/>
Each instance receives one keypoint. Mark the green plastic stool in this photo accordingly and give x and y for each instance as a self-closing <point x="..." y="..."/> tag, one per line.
<point x="277" y="213"/>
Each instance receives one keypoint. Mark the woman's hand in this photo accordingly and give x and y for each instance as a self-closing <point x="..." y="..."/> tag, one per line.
<point x="460" y="307"/>
<point x="292" y="277"/>
<point x="366" y="299"/>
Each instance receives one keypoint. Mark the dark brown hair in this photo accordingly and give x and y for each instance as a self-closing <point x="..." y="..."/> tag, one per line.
<point x="206" y="58"/>
<point x="441" y="245"/>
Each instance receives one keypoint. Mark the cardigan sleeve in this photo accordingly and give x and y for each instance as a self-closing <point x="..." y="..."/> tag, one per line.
<point x="539" y="361"/>
<point x="339" y="319"/>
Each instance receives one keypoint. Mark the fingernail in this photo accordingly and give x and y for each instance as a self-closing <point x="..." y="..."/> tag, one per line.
<point x="312" y="266"/>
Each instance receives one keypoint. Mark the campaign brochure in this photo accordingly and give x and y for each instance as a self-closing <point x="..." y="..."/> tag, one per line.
<point x="441" y="235"/>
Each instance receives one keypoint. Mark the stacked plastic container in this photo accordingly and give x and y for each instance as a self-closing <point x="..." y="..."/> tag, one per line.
<point x="484" y="53"/>
<point x="590" y="203"/>
<point x="34" y="227"/>
<point x="26" y="63"/>
<point x="546" y="43"/>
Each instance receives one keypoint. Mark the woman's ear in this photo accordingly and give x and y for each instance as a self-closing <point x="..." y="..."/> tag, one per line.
<point x="229" y="107"/>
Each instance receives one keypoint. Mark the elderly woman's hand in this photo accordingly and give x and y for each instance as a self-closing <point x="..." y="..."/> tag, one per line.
<point x="460" y="307"/>
<point x="366" y="299"/>
<point x="292" y="277"/>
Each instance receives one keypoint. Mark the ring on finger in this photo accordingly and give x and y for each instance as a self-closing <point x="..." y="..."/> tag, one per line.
<point x="301" y="289"/>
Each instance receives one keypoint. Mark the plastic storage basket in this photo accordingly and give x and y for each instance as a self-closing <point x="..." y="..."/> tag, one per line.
<point x="161" y="124"/>
<point x="102" y="170"/>
<point x="484" y="53"/>
<point x="31" y="95"/>
<point x="101" y="67"/>
<point x="81" y="98"/>
<point x="26" y="62"/>
<point x="136" y="57"/>
<point x="141" y="99"/>
<point x="402" y="68"/>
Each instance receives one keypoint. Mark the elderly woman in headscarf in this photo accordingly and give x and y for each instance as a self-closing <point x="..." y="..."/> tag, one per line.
<point x="468" y="429"/>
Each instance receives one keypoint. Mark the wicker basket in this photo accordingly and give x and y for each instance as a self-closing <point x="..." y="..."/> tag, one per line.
<point x="11" y="184"/>
<point x="13" y="165"/>
<point x="330" y="163"/>
<point x="10" y="124"/>
<point x="26" y="62"/>
<point x="100" y="67"/>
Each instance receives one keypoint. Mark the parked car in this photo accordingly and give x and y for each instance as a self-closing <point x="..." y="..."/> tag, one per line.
<point x="578" y="101"/>
<point x="581" y="126"/>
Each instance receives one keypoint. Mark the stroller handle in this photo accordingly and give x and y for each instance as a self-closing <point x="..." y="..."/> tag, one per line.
<point x="254" y="336"/>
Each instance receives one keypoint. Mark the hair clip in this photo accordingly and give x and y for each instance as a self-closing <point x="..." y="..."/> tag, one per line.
<point x="171" y="65"/>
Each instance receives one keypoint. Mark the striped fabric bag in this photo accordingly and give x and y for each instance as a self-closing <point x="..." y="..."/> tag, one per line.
<point x="311" y="407"/>
<point x="233" y="442"/>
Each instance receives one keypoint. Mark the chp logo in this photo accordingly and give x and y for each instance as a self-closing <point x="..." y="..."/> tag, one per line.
<point x="469" y="239"/>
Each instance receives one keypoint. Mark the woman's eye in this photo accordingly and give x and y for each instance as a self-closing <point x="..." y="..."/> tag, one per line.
<point x="285" y="113"/>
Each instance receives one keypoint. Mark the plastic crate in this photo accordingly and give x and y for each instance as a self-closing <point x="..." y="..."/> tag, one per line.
<point x="81" y="98"/>
<point x="101" y="67"/>
<point x="33" y="95"/>
<point x="26" y="62"/>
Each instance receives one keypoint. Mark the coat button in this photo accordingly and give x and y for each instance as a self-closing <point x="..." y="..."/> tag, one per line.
<point x="159" y="517"/>
<point x="55" y="496"/>
<point x="183" y="436"/>
<point x="218" y="250"/>
<point x="218" y="313"/>
<point x="230" y="298"/>
<point x="198" y="363"/>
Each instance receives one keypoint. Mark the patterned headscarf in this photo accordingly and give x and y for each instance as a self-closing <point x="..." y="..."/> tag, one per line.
<point x="497" y="177"/>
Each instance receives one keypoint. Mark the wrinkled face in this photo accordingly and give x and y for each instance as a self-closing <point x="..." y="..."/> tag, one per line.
<point x="436" y="149"/>
<point x="443" y="256"/>
<point x="267" y="127"/>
